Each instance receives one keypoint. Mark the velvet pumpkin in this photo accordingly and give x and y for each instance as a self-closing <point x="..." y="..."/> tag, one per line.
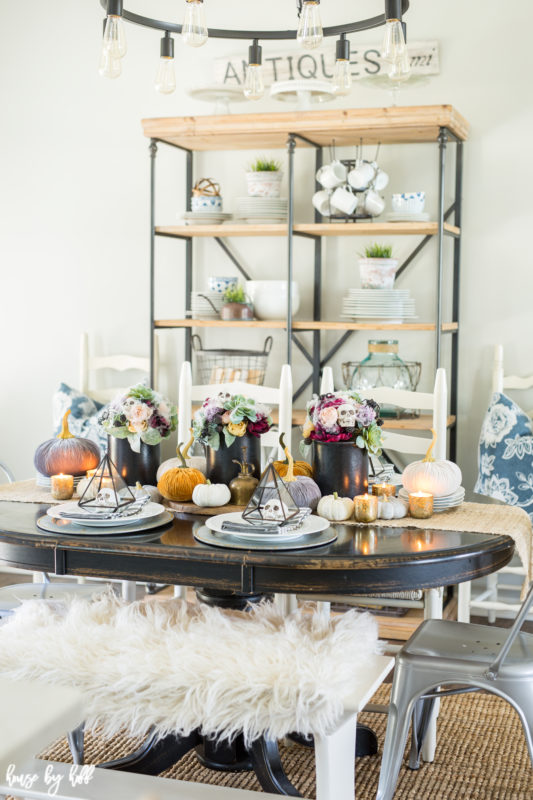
<point x="198" y="462"/>
<point x="300" y="467"/>
<point x="178" y="483"/>
<point x="439" y="478"/>
<point x="67" y="454"/>
<point x="303" y="490"/>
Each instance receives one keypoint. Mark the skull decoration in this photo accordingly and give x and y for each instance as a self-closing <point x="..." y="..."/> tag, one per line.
<point x="223" y="397"/>
<point x="346" y="415"/>
<point x="106" y="497"/>
<point x="275" y="509"/>
<point x="129" y="402"/>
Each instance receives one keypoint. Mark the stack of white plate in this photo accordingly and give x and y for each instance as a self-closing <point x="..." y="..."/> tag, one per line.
<point x="262" y="209"/>
<point x="205" y="217"/>
<point x="393" y="305"/>
<point x="443" y="502"/>
<point x="202" y="304"/>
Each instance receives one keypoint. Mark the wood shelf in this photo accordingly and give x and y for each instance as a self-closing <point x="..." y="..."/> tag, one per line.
<point x="309" y="229"/>
<point x="396" y="124"/>
<point x="304" y="325"/>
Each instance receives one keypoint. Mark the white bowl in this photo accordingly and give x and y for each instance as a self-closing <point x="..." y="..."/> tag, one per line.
<point x="270" y="298"/>
<point x="409" y="202"/>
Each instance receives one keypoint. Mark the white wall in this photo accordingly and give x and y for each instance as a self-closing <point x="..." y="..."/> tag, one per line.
<point x="74" y="219"/>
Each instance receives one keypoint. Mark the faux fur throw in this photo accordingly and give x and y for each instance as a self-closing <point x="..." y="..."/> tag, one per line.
<point x="176" y="667"/>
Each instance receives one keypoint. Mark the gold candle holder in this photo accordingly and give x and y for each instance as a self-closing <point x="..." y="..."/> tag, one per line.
<point x="62" y="486"/>
<point x="421" y="505"/>
<point x="366" y="507"/>
<point x="384" y="489"/>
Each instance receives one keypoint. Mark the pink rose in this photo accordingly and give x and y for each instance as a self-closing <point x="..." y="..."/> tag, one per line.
<point x="226" y="418"/>
<point x="328" y="417"/>
<point x="139" y="413"/>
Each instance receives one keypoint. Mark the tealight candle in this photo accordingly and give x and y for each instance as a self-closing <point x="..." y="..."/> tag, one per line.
<point x="62" y="486"/>
<point x="421" y="505"/>
<point x="387" y="489"/>
<point x="366" y="507"/>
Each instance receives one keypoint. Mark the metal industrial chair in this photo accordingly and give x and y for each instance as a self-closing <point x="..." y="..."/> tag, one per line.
<point x="473" y="657"/>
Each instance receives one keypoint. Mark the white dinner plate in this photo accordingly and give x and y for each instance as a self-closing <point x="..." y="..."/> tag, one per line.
<point x="311" y="524"/>
<point x="149" y="511"/>
<point x="68" y="527"/>
<point x="206" y="536"/>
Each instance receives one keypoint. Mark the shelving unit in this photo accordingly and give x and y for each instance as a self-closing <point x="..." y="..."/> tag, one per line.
<point x="439" y="125"/>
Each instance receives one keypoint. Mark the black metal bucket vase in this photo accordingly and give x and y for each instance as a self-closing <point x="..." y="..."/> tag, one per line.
<point x="132" y="466"/>
<point x="219" y="463"/>
<point x="340" y="467"/>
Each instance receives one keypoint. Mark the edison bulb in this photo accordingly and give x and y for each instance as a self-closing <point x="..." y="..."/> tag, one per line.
<point x="114" y="36"/>
<point x="109" y="66"/>
<point x="194" y="29"/>
<point x="342" y="78"/>
<point x="165" y="79"/>
<point x="310" y="32"/>
<point x="394" y="51"/>
<point x="254" y="87"/>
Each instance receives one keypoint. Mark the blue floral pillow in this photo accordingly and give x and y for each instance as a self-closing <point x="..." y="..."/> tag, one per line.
<point x="506" y="454"/>
<point x="83" y="419"/>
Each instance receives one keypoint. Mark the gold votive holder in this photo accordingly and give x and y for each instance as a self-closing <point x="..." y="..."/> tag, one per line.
<point x="421" y="505"/>
<point x="366" y="507"/>
<point x="384" y="489"/>
<point x="62" y="486"/>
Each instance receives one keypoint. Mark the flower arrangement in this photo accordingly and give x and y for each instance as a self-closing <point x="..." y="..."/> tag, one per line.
<point x="140" y="415"/>
<point x="344" y="417"/>
<point x="232" y="416"/>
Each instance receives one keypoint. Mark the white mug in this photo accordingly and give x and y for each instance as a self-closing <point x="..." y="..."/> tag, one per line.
<point x="381" y="180"/>
<point x="344" y="200"/>
<point x="361" y="175"/>
<point x="374" y="204"/>
<point x="321" y="201"/>
<point x="331" y="175"/>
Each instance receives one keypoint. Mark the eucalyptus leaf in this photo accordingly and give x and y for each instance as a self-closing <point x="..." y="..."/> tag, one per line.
<point x="229" y="438"/>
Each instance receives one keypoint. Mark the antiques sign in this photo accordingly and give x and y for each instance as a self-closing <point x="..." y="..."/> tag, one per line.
<point x="365" y="62"/>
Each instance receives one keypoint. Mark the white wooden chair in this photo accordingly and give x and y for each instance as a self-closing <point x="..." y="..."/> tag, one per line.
<point x="280" y="396"/>
<point x="436" y="401"/>
<point x="488" y="600"/>
<point x="90" y="364"/>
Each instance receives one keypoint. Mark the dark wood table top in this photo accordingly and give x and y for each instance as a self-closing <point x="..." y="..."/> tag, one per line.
<point x="363" y="559"/>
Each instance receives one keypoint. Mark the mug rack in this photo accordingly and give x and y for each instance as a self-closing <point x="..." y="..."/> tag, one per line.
<point x="350" y="163"/>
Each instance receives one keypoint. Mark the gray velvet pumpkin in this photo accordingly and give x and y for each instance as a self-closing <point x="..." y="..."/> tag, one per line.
<point x="303" y="490"/>
<point x="67" y="454"/>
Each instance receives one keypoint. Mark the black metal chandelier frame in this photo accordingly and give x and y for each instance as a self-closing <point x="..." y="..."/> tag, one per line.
<point x="394" y="10"/>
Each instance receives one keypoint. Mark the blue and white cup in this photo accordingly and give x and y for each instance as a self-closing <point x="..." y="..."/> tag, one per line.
<point x="221" y="285"/>
<point x="409" y="202"/>
<point x="208" y="204"/>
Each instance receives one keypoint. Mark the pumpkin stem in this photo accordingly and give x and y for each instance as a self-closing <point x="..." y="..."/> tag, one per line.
<point x="183" y="464"/>
<point x="138" y="485"/>
<point x="188" y="445"/>
<point x="65" y="433"/>
<point x="283" y="445"/>
<point x="289" y="477"/>
<point x="428" y="456"/>
<point x="208" y="482"/>
<point x="335" y="495"/>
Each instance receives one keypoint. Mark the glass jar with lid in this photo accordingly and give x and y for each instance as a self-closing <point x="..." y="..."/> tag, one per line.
<point x="383" y="367"/>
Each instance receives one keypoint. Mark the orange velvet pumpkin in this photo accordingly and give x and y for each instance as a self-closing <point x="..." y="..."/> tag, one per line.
<point x="178" y="483"/>
<point x="300" y="467"/>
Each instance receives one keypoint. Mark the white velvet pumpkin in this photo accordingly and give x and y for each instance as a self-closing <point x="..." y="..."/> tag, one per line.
<point x="392" y="508"/>
<point x="439" y="478"/>
<point x="335" y="508"/>
<point x="211" y="495"/>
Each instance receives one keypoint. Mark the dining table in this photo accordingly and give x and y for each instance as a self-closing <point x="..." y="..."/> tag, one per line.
<point x="363" y="560"/>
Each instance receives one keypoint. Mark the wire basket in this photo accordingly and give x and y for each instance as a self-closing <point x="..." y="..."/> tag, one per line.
<point x="226" y="366"/>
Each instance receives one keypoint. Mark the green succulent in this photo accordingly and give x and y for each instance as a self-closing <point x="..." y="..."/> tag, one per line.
<point x="265" y="165"/>
<point x="378" y="251"/>
<point x="235" y="294"/>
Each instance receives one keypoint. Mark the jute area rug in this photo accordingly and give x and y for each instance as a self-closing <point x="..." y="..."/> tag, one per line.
<point x="482" y="755"/>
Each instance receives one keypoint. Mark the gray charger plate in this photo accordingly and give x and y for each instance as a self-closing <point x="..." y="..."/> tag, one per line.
<point x="69" y="527"/>
<point x="205" y="536"/>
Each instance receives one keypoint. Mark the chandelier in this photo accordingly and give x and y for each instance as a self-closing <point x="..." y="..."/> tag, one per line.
<point x="309" y="35"/>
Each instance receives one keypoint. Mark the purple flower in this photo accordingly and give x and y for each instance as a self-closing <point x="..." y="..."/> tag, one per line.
<point x="212" y="411"/>
<point x="365" y="415"/>
<point x="258" y="427"/>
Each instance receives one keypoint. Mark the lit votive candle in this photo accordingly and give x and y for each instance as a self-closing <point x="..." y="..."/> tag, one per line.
<point x="366" y="507"/>
<point x="387" y="489"/>
<point x="421" y="505"/>
<point x="62" y="486"/>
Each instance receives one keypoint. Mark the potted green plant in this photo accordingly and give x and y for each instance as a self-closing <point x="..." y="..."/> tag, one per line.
<point x="264" y="178"/>
<point x="236" y="304"/>
<point x="377" y="267"/>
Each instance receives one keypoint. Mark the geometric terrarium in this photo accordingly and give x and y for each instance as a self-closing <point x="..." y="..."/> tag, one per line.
<point x="271" y="501"/>
<point x="107" y="489"/>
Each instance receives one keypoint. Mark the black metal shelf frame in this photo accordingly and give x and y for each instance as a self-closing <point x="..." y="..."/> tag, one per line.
<point x="314" y="357"/>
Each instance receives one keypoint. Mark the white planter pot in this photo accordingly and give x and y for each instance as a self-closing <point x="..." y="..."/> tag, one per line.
<point x="264" y="184"/>
<point x="378" y="273"/>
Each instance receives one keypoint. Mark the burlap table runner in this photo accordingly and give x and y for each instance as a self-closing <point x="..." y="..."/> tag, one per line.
<point x="473" y="517"/>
